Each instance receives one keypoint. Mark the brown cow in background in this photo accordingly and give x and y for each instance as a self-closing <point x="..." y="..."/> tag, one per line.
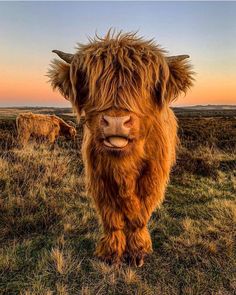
<point x="47" y="126"/>
<point x="124" y="85"/>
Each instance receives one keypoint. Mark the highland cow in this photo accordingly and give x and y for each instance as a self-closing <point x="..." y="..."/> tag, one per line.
<point x="124" y="85"/>
<point x="47" y="126"/>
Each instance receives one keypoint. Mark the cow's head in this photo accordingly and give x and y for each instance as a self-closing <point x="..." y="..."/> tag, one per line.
<point x="121" y="83"/>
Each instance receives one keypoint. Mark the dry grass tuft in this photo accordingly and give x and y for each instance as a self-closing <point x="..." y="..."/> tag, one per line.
<point x="59" y="261"/>
<point x="130" y="276"/>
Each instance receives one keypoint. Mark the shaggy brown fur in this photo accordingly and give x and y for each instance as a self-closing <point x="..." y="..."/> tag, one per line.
<point x="116" y="76"/>
<point x="46" y="126"/>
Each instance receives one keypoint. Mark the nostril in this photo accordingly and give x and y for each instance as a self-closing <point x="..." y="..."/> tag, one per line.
<point x="127" y="122"/>
<point x="104" y="121"/>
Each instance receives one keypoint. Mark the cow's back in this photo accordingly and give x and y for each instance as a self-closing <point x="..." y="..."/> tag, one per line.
<point x="37" y="124"/>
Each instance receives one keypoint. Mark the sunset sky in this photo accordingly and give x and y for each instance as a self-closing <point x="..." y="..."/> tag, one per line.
<point x="30" y="30"/>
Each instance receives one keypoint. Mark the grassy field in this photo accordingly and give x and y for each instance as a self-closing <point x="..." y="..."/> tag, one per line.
<point x="49" y="229"/>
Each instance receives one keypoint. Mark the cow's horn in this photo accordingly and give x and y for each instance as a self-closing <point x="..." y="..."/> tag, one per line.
<point x="68" y="57"/>
<point x="177" y="57"/>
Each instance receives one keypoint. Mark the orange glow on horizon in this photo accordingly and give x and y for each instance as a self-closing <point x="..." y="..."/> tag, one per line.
<point x="214" y="90"/>
<point x="28" y="86"/>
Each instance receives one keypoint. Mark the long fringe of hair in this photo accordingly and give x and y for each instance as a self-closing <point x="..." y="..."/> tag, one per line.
<point x="120" y="70"/>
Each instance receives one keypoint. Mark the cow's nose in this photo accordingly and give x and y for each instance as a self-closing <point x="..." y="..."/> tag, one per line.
<point x="119" y="126"/>
<point x="122" y="121"/>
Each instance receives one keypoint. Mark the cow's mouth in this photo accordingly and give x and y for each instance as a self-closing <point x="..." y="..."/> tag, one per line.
<point x="116" y="142"/>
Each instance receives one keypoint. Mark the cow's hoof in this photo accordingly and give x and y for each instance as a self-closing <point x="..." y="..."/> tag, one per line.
<point x="136" y="260"/>
<point x="139" y="260"/>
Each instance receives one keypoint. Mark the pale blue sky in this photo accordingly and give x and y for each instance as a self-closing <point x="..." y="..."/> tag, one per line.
<point x="205" y="30"/>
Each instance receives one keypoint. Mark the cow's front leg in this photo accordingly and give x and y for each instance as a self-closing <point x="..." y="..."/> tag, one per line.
<point x="138" y="245"/>
<point x="139" y="242"/>
<point x="113" y="242"/>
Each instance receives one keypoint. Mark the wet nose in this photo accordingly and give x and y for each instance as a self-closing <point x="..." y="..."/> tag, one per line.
<point x="119" y="126"/>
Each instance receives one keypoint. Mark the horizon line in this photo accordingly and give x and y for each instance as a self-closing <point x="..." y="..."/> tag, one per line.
<point x="68" y="107"/>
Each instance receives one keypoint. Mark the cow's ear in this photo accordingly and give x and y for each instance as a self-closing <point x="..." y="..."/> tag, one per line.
<point x="68" y="79"/>
<point x="59" y="75"/>
<point x="174" y="77"/>
<point x="180" y="77"/>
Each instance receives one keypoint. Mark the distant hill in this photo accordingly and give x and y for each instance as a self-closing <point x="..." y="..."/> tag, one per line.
<point x="208" y="107"/>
